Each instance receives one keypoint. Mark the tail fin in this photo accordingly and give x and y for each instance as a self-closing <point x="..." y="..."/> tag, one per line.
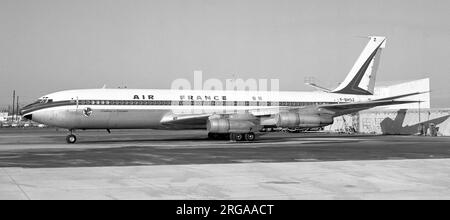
<point x="361" y="78"/>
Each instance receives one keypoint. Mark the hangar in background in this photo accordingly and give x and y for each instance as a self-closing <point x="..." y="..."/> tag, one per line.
<point x="398" y="88"/>
<point x="397" y="119"/>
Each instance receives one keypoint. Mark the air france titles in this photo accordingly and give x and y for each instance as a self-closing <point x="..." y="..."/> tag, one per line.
<point x="143" y="97"/>
<point x="203" y="98"/>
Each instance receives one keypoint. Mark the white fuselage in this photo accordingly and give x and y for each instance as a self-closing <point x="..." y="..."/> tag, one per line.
<point x="146" y="108"/>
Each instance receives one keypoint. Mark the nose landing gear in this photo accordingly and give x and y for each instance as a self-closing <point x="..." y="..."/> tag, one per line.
<point x="71" y="138"/>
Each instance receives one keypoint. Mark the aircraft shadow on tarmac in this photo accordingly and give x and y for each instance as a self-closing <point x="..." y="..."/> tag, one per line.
<point x="202" y="139"/>
<point x="389" y="126"/>
<point x="166" y="140"/>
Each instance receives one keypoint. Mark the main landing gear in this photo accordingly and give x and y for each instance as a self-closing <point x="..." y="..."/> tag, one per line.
<point x="242" y="137"/>
<point x="71" y="138"/>
<point x="233" y="136"/>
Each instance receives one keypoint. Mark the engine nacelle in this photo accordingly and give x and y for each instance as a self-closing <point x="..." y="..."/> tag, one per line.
<point x="224" y="125"/>
<point x="296" y="120"/>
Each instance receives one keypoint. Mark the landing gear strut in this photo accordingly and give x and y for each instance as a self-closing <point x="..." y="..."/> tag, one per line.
<point x="71" y="138"/>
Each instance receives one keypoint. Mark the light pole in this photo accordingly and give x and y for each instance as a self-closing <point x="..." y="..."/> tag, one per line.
<point x="13" y="105"/>
<point x="17" y="109"/>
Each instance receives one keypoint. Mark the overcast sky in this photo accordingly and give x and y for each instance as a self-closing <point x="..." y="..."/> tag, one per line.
<point x="52" y="45"/>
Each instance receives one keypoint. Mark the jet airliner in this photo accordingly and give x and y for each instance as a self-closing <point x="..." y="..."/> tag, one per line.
<point x="234" y="115"/>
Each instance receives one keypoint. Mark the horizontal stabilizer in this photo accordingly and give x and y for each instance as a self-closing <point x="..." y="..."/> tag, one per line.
<point x="320" y="88"/>
<point x="401" y="96"/>
<point x="363" y="105"/>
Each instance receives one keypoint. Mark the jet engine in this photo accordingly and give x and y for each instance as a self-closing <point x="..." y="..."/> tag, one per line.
<point x="225" y="125"/>
<point x="298" y="120"/>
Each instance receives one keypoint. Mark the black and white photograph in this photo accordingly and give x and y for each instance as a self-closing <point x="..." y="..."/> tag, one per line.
<point x="241" y="102"/>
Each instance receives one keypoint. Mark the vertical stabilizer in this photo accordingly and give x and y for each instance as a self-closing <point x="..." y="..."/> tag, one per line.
<point x="361" y="78"/>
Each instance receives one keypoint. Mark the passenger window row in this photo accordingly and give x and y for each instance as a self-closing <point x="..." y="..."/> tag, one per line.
<point x="196" y="103"/>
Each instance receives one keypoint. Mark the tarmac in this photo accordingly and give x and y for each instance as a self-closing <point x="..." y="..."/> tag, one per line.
<point x="152" y="164"/>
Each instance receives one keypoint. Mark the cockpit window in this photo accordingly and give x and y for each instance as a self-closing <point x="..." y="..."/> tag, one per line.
<point x="42" y="101"/>
<point x="45" y="100"/>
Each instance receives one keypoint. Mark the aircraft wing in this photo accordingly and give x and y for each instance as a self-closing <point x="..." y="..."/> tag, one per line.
<point x="198" y="121"/>
<point x="347" y="108"/>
